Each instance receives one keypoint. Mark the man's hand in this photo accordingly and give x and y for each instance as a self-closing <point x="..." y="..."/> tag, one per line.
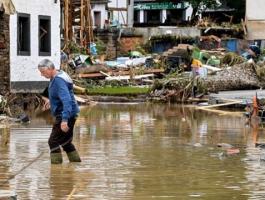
<point x="46" y="103"/>
<point x="64" y="127"/>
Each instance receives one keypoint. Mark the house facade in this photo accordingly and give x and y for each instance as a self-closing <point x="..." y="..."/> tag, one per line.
<point x="99" y="13"/>
<point x="29" y="35"/>
<point x="255" y="19"/>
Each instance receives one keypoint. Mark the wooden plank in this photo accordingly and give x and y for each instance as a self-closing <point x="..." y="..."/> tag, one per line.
<point x="222" y="112"/>
<point x="215" y="69"/>
<point x="81" y="100"/>
<point x="129" y="77"/>
<point x="71" y="194"/>
<point x="220" y="105"/>
<point x="79" y="89"/>
<point x="66" y="22"/>
<point x="117" y="9"/>
<point x="82" y="23"/>
<point x="121" y="73"/>
<point x="7" y="194"/>
<point x="244" y="26"/>
<point x="104" y="73"/>
<point x="91" y="75"/>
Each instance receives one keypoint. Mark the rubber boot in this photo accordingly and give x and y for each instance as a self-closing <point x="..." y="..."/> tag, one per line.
<point x="73" y="156"/>
<point x="56" y="158"/>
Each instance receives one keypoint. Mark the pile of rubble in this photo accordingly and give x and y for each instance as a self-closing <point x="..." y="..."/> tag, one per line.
<point x="198" y="72"/>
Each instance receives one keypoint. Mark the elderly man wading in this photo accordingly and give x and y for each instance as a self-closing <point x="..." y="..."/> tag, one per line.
<point x="65" y="110"/>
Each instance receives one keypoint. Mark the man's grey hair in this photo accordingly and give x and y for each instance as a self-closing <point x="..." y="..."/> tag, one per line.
<point x="46" y="63"/>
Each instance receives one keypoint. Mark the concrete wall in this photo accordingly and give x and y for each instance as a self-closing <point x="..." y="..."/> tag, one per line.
<point x="4" y="54"/>
<point x="255" y="9"/>
<point x="24" y="74"/>
<point x="255" y="19"/>
<point x="149" y="32"/>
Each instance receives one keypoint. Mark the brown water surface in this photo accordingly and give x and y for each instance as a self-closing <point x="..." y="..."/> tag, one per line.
<point x="137" y="151"/>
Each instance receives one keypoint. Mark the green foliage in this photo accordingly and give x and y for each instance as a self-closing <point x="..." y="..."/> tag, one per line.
<point x="3" y="104"/>
<point x="125" y="90"/>
<point x="74" y="48"/>
<point x="141" y="49"/>
<point x="101" y="46"/>
<point x="202" y="4"/>
<point x="231" y="59"/>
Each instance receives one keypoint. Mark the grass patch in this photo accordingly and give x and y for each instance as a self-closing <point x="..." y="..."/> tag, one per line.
<point x="115" y="91"/>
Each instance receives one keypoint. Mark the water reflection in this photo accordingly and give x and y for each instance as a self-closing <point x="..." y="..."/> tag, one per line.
<point x="255" y="163"/>
<point x="144" y="151"/>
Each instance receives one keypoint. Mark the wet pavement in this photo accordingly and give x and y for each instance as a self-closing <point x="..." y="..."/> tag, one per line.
<point x="137" y="151"/>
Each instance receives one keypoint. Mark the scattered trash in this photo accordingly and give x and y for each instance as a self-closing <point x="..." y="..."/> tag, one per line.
<point x="24" y="118"/>
<point x="197" y="145"/>
<point x="225" y="145"/>
<point x="232" y="151"/>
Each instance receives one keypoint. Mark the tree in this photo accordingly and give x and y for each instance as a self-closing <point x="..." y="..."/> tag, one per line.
<point x="200" y="5"/>
<point x="240" y="9"/>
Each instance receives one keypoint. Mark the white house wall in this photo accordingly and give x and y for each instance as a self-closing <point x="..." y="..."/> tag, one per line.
<point x="103" y="15"/>
<point x="255" y="19"/>
<point x="255" y="9"/>
<point x="188" y="13"/>
<point x="23" y="69"/>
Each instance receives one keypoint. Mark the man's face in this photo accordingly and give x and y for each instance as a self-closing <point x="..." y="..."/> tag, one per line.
<point x="46" y="72"/>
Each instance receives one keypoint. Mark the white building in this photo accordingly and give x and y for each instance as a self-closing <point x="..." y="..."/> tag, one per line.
<point x="99" y="13"/>
<point x="34" y="35"/>
<point x="156" y="13"/>
<point x="117" y="11"/>
<point x="255" y="19"/>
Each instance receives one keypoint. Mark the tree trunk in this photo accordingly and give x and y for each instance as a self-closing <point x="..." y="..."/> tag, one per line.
<point x="238" y="77"/>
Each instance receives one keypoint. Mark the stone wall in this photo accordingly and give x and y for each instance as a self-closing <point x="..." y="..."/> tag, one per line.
<point x="109" y="38"/>
<point x="4" y="55"/>
<point x="149" y="32"/>
<point x="129" y="43"/>
<point x="117" y="43"/>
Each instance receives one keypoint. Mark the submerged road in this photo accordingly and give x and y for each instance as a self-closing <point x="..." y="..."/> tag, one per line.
<point x="136" y="151"/>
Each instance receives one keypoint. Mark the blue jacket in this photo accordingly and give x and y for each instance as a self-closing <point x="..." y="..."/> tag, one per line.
<point x="61" y="95"/>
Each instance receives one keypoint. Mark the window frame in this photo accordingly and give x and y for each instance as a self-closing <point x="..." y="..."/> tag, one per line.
<point x="19" y="52"/>
<point x="45" y="53"/>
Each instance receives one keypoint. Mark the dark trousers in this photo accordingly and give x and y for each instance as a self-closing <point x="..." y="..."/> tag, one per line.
<point x="59" y="138"/>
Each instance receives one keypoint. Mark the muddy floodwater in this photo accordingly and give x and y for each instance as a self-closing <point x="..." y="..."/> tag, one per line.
<point x="139" y="152"/>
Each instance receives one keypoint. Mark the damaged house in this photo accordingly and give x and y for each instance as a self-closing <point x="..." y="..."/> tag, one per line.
<point x="255" y="21"/>
<point x="30" y="32"/>
<point x="157" y="13"/>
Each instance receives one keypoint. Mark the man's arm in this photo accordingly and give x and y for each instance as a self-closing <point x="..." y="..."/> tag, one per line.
<point x="66" y="100"/>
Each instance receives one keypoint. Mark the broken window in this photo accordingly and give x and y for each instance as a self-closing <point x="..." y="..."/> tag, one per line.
<point x="44" y="35"/>
<point x="23" y="34"/>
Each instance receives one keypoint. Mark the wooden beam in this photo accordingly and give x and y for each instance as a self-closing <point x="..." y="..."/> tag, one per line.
<point x="117" y="9"/>
<point x="91" y="75"/>
<point x="89" y="37"/>
<point x="66" y="22"/>
<point x="70" y="20"/>
<point x="232" y="102"/>
<point x="121" y="73"/>
<point x="82" y="23"/>
<point x="244" y="26"/>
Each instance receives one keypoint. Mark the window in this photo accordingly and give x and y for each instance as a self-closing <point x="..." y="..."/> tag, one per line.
<point x="23" y="34"/>
<point x="44" y="35"/>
